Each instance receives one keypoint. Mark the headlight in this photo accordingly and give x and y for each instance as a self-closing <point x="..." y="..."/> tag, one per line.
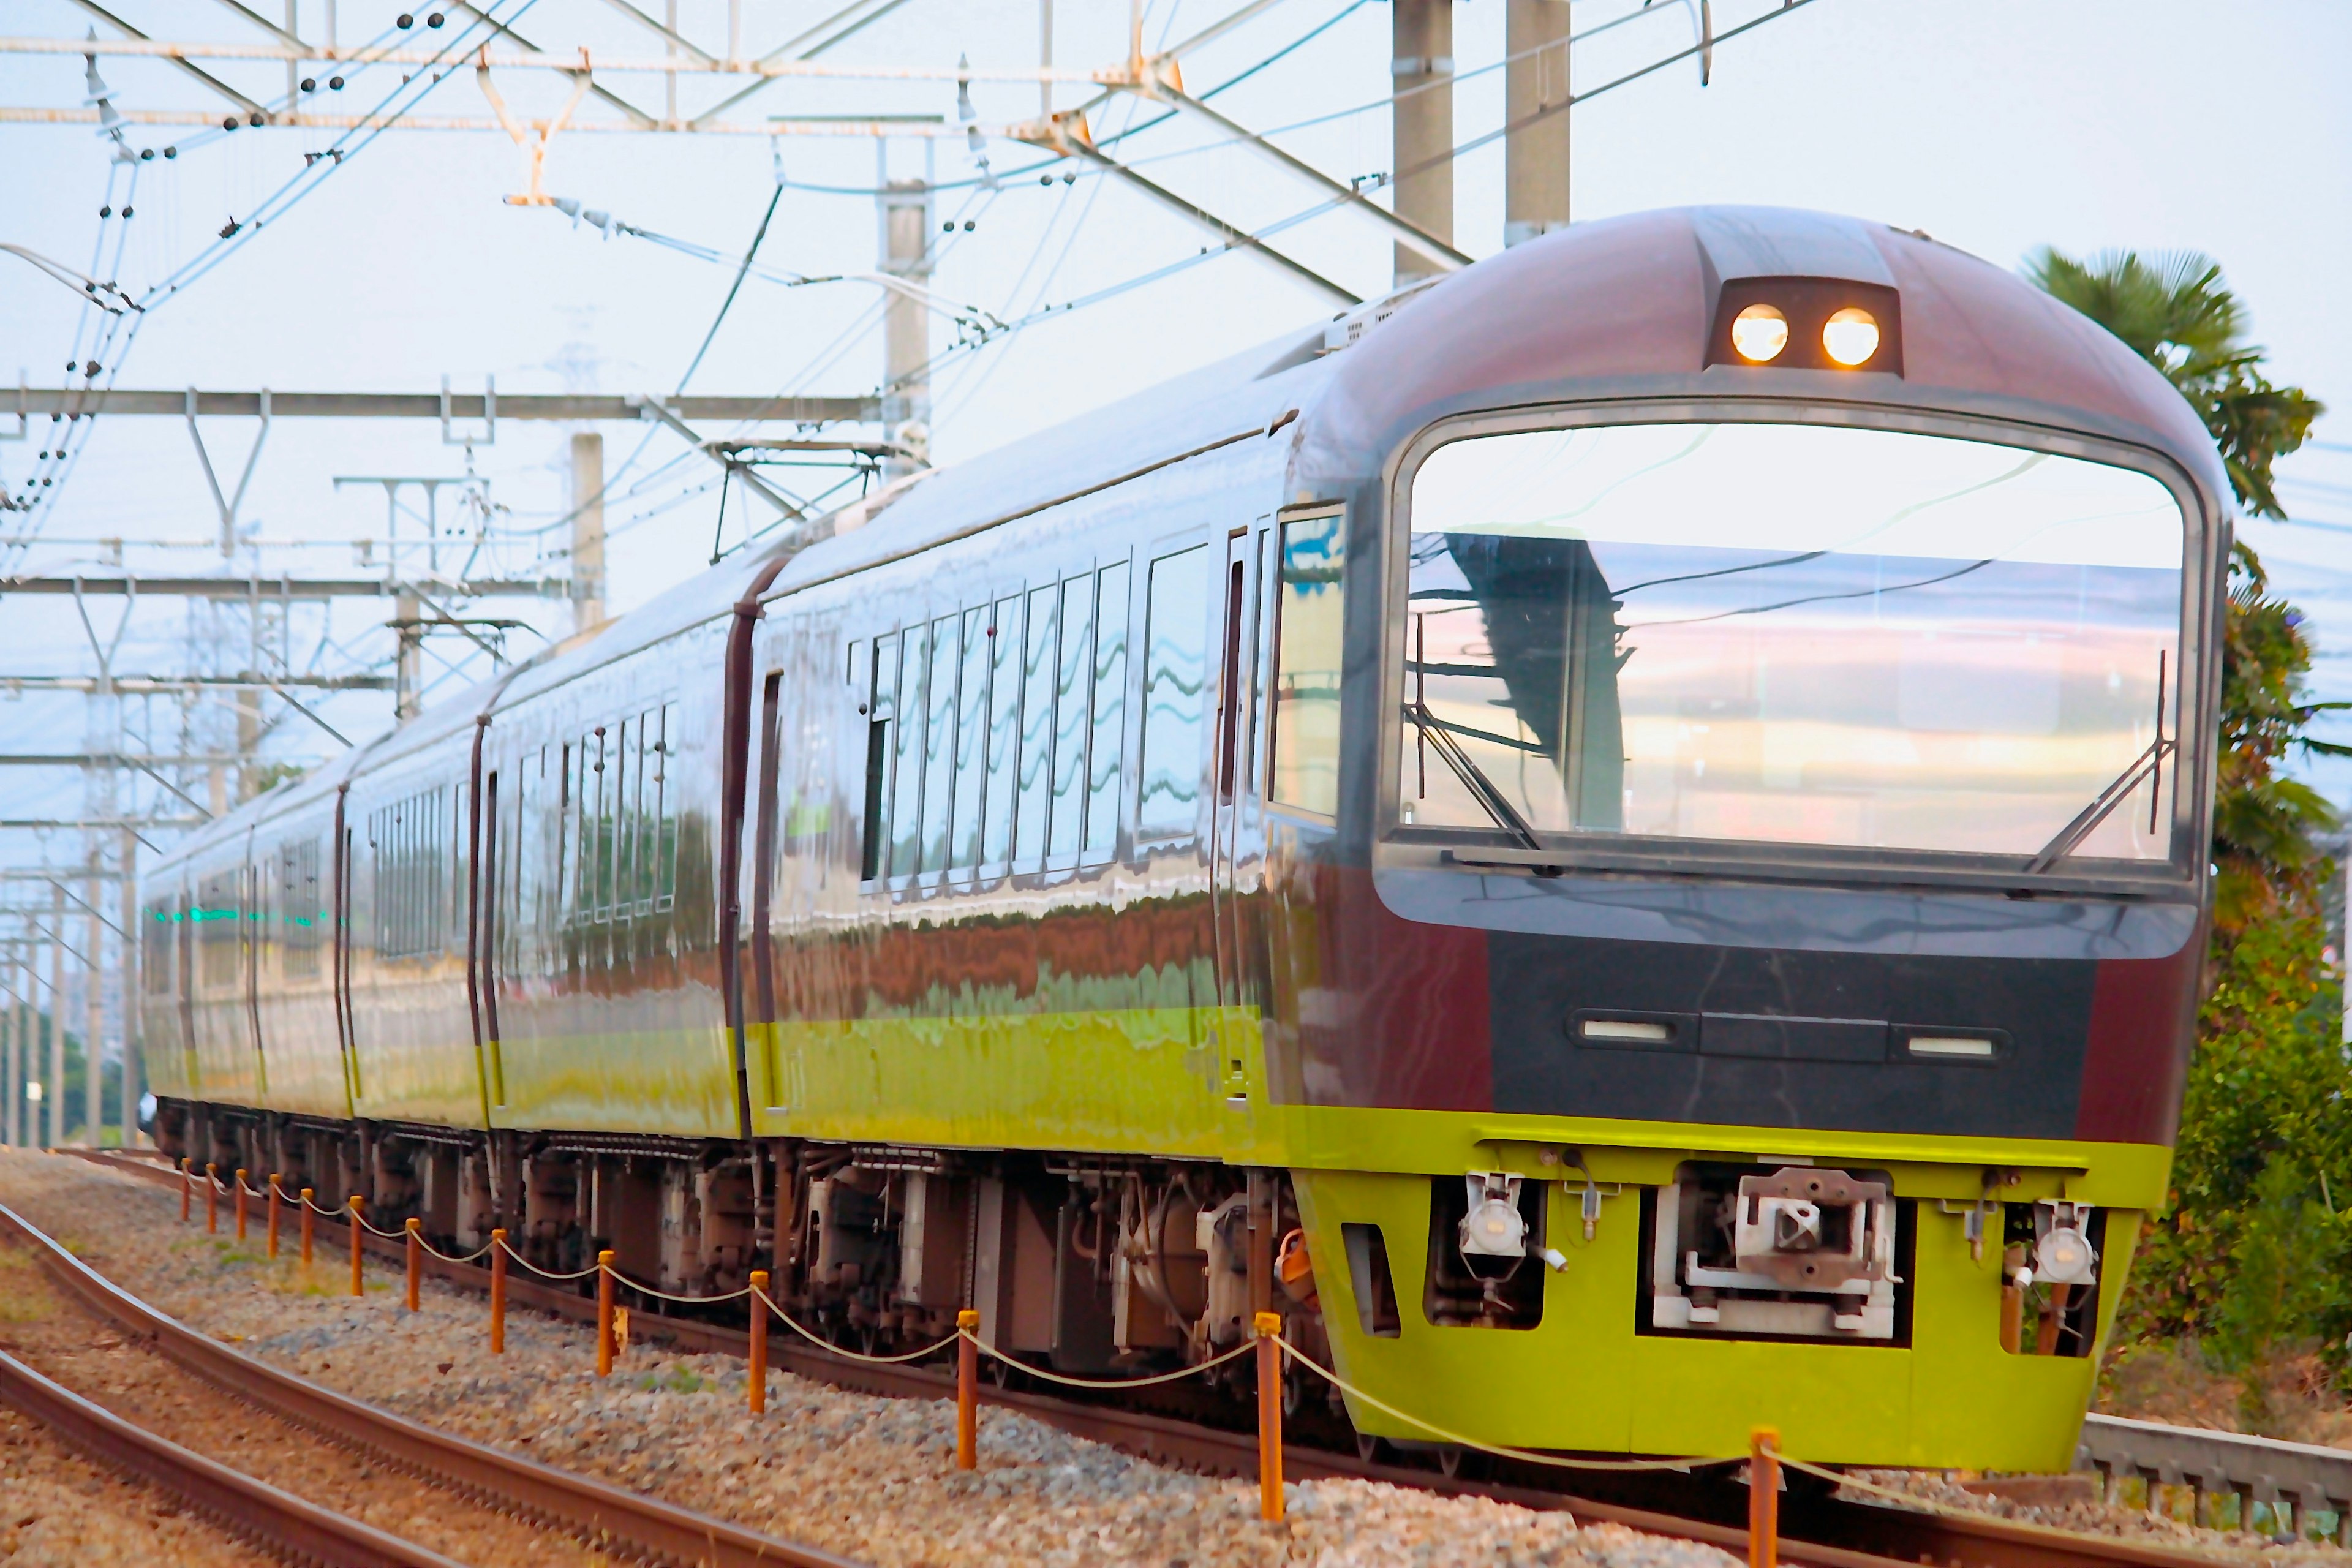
<point x="2063" y="1257"/>
<point x="1850" y="336"/>
<point x="1759" y="332"/>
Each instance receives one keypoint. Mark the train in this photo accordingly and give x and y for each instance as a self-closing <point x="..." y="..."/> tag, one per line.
<point x="1619" y="836"/>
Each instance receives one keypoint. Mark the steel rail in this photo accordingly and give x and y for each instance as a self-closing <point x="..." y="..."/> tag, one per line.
<point x="1817" y="1531"/>
<point x="577" y="1504"/>
<point x="252" y="1508"/>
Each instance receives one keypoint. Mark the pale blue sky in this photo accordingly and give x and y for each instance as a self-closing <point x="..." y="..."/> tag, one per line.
<point x="1995" y="125"/>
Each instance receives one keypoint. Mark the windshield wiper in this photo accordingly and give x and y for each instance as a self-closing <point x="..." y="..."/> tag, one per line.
<point x="2103" y="804"/>
<point x="1474" y="779"/>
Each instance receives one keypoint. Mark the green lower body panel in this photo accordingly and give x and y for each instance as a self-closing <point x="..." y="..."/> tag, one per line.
<point x="1141" y="1080"/>
<point x="1587" y="1379"/>
<point x="678" y="1083"/>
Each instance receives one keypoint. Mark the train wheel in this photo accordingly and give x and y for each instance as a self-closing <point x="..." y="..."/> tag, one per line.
<point x="1455" y="1462"/>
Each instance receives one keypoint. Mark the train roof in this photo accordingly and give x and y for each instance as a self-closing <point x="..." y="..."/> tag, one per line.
<point x="1626" y="307"/>
<point x="1616" y="307"/>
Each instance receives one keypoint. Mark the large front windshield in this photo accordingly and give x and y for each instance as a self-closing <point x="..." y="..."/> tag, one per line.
<point x="1790" y="634"/>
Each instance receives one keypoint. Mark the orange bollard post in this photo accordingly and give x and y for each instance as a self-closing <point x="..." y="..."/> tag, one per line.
<point x="212" y="1198"/>
<point x="1763" y="1498"/>
<point x="273" y="1216"/>
<point x="241" y="1202"/>
<point x="758" y="1304"/>
<point x="967" y="1389"/>
<point x="358" y="1204"/>
<point x="187" y="1186"/>
<point x="306" y="1228"/>
<point x="604" y="1314"/>
<point x="1269" y="1415"/>
<point x="498" y="1293"/>
<point x="416" y="1257"/>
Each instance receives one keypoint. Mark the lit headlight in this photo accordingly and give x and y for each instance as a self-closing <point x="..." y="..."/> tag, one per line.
<point x="1851" y="336"/>
<point x="2064" y="1257"/>
<point x="1759" y="332"/>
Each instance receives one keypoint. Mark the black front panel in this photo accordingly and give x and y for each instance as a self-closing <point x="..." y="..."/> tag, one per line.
<point x="1763" y="1038"/>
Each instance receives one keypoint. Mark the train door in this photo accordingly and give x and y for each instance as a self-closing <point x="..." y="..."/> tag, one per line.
<point x="184" y="984"/>
<point x="252" y="928"/>
<point x="489" y="880"/>
<point x="1236" y="846"/>
<point x="346" y="1037"/>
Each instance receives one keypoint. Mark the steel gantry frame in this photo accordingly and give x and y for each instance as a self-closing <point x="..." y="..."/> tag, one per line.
<point x="1418" y="221"/>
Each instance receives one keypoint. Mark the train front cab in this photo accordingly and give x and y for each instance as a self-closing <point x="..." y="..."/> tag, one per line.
<point x="1735" y="899"/>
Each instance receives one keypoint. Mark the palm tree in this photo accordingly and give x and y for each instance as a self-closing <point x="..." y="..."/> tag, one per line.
<point x="2175" y="312"/>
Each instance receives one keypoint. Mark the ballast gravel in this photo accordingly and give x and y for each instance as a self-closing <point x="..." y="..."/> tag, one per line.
<point x="126" y="1375"/>
<point x="869" y="1478"/>
<point x="60" y="1510"/>
<point x="2163" y="1527"/>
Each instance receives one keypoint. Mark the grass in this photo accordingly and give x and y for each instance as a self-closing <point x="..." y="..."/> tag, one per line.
<point x="23" y="1298"/>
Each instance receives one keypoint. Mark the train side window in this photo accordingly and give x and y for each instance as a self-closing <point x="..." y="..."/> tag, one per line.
<point x="1175" y="683"/>
<point x="664" y="819"/>
<point x="907" y="752"/>
<point x="880" y="711"/>
<point x="1309" y="623"/>
<point x="608" y="803"/>
<point x="563" y="876"/>
<point x="970" y="741"/>
<point x="156" y="952"/>
<point x="1066" y="830"/>
<point x="1107" y="754"/>
<point x="1003" y="730"/>
<point x="216" y="915"/>
<point x="1034" y="767"/>
<point x="629" y="820"/>
<point x="460" y="855"/>
<point x="302" y="916"/>
<point x="938" y="742"/>
<point x="406" y="836"/>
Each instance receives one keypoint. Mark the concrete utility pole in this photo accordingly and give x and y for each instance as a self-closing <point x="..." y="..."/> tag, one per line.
<point x="12" y="1065"/>
<point x="587" y="531"/>
<point x="1535" y="160"/>
<point x="1423" y="122"/>
<point x="93" y="1006"/>
<point x="1044" y="59"/>
<point x="408" y="669"/>
<point x="906" y="318"/>
<point x="130" y="989"/>
<point x="53" y="1093"/>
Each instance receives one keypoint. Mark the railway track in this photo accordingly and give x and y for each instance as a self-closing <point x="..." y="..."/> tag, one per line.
<point x="612" y="1519"/>
<point x="1820" y="1531"/>
<point x="275" y="1518"/>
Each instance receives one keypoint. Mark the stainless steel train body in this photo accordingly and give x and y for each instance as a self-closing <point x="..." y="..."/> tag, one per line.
<point x="1625" y="851"/>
